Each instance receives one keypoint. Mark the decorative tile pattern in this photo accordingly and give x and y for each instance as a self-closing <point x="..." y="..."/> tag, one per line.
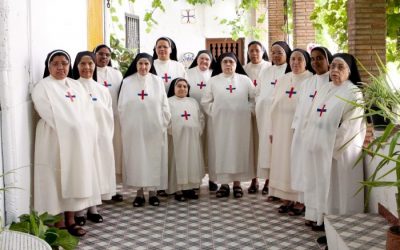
<point x="248" y="223"/>
<point x="361" y="231"/>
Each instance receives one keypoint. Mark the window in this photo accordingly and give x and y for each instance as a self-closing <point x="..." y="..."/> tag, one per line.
<point x="132" y="31"/>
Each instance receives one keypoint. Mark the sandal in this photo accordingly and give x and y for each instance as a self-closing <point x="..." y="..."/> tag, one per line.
<point x="96" y="218"/>
<point x="294" y="211"/>
<point x="154" y="201"/>
<point x="237" y="192"/>
<point x="273" y="198"/>
<point x="76" y="230"/>
<point x="139" y="201"/>
<point x="317" y="228"/>
<point x="179" y="197"/>
<point x="253" y="188"/>
<point x="223" y="191"/>
<point x="212" y="186"/>
<point x="190" y="194"/>
<point x="117" y="198"/>
<point x="162" y="193"/>
<point x="285" y="208"/>
<point x="80" y="220"/>
<point x="265" y="190"/>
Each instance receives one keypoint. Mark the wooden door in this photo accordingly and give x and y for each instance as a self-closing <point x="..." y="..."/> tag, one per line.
<point x="217" y="46"/>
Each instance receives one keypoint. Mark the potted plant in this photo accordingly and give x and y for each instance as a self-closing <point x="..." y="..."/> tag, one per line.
<point x="39" y="226"/>
<point x="383" y="100"/>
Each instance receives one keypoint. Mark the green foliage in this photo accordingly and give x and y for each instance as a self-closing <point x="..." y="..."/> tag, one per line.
<point x="37" y="225"/>
<point x="332" y="15"/>
<point x="120" y="54"/>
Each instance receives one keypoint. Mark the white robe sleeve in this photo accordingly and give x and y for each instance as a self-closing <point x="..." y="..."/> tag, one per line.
<point x="252" y="95"/>
<point x="165" y="110"/>
<point x="351" y="125"/>
<point x="201" y="118"/>
<point x="42" y="104"/>
<point x="207" y="100"/>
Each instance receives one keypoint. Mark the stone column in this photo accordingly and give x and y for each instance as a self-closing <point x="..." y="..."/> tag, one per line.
<point x="275" y="21"/>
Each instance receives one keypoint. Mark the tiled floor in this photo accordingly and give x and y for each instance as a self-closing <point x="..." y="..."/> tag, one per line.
<point x="207" y="223"/>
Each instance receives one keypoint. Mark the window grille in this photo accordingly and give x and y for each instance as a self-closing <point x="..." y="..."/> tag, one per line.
<point x="132" y="31"/>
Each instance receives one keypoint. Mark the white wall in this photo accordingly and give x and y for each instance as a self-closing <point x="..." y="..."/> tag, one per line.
<point x="34" y="28"/>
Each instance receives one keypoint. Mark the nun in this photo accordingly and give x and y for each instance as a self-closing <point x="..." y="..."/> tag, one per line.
<point x="320" y="60"/>
<point x="229" y="101"/>
<point x="111" y="79"/>
<point x="257" y="59"/>
<point x="145" y="115"/>
<point x="166" y="61"/>
<point x="334" y="133"/>
<point x="84" y="70"/>
<point x="65" y="175"/>
<point x="280" y="52"/>
<point x="198" y="74"/>
<point x="186" y="165"/>
<point x="283" y="106"/>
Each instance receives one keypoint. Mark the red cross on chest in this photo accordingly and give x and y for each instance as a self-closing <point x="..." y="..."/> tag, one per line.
<point x="313" y="95"/>
<point x="107" y="84"/>
<point x="201" y="85"/>
<point x="166" y="77"/>
<point x="255" y="82"/>
<point x="321" y="110"/>
<point x="291" y="92"/>
<point x="142" y="94"/>
<point x="186" y="115"/>
<point x="230" y="88"/>
<point x="70" y="96"/>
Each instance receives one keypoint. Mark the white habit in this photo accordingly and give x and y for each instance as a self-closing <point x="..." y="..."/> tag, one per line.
<point x="144" y="113"/>
<point x="229" y="100"/>
<point x="168" y="71"/>
<point x="254" y="70"/>
<point x="264" y="92"/>
<point x="331" y="179"/>
<point x="186" y="165"/>
<point x="105" y="163"/>
<point x="280" y="121"/>
<point x="65" y="174"/>
<point x="111" y="79"/>
<point x="308" y="92"/>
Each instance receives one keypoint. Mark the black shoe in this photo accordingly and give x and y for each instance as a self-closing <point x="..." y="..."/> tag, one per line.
<point x="117" y="198"/>
<point x="154" y="201"/>
<point x="80" y="220"/>
<point x="212" y="186"/>
<point x="223" y="191"/>
<point x="319" y="228"/>
<point x="237" y="192"/>
<point x="179" y="197"/>
<point x="162" y="193"/>
<point x="96" y="218"/>
<point x="253" y="188"/>
<point x="190" y="194"/>
<point x="139" y="201"/>
<point x="265" y="190"/>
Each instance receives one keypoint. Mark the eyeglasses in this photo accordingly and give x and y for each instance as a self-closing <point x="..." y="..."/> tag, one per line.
<point x="104" y="54"/>
<point x="56" y="64"/>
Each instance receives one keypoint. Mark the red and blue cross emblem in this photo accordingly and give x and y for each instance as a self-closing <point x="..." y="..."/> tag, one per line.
<point x="142" y="94"/>
<point x="230" y="88"/>
<point x="255" y="82"/>
<point x="106" y="84"/>
<point x="186" y="115"/>
<point x="313" y="95"/>
<point x="166" y="77"/>
<point x="321" y="110"/>
<point x="291" y="92"/>
<point x="70" y="96"/>
<point x="201" y="85"/>
<point x="274" y="82"/>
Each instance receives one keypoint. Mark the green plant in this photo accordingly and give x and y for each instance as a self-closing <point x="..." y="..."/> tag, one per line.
<point x="380" y="92"/>
<point x="120" y="54"/>
<point x="37" y="225"/>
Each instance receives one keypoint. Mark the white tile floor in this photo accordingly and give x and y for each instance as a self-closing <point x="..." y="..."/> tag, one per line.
<point x="208" y="223"/>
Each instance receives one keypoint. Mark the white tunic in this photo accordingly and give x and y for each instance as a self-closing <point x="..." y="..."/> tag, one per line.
<point x="105" y="163"/>
<point x="111" y="79"/>
<point x="65" y="174"/>
<point x="144" y="113"/>
<point x="264" y="92"/>
<point x="254" y="70"/>
<point x="186" y="165"/>
<point x="307" y="94"/>
<point x="229" y="100"/>
<point x="168" y="71"/>
<point x="331" y="179"/>
<point x="281" y="117"/>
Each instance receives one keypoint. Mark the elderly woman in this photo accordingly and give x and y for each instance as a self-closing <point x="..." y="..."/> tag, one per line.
<point x="282" y="111"/>
<point x="229" y="101"/>
<point x="144" y="113"/>
<point x="198" y="74"/>
<point x="280" y="52"/>
<point x="111" y="79"/>
<point x="65" y="175"/>
<point x="166" y="61"/>
<point x="84" y="70"/>
<point x="334" y="133"/>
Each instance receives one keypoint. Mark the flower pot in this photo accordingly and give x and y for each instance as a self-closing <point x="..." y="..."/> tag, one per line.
<point x="393" y="238"/>
<point x="379" y="121"/>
